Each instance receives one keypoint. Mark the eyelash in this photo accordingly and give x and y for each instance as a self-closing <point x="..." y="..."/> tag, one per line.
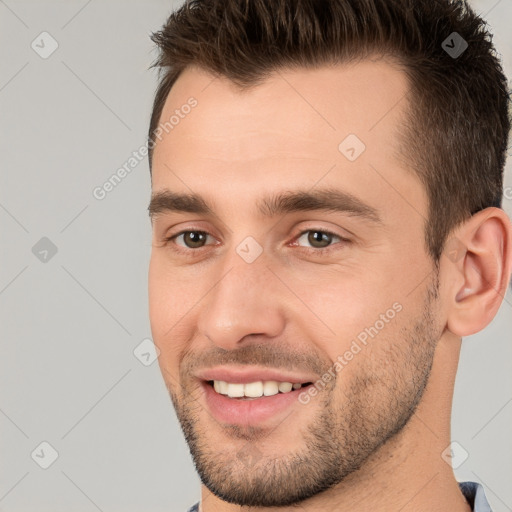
<point x="322" y="250"/>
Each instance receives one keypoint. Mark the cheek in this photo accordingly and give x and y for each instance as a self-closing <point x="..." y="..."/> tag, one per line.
<point x="171" y="294"/>
<point x="343" y="301"/>
<point x="158" y="295"/>
<point x="169" y="303"/>
<point x="346" y="313"/>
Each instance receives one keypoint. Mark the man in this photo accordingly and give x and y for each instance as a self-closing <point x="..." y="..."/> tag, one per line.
<point x="326" y="192"/>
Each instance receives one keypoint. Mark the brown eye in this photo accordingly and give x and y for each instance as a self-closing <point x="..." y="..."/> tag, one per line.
<point x="193" y="239"/>
<point x="319" y="239"/>
<point x="320" y="242"/>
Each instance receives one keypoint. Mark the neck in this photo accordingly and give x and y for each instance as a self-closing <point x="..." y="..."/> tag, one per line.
<point x="407" y="473"/>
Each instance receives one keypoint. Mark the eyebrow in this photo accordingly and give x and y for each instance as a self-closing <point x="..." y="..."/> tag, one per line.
<point x="326" y="199"/>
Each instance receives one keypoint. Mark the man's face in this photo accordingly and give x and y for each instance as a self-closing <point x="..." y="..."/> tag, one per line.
<point x="260" y="291"/>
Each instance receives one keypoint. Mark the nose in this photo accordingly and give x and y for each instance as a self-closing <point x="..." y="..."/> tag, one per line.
<point x="245" y="301"/>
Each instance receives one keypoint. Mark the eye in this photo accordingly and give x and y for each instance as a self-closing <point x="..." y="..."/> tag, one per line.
<point x="318" y="239"/>
<point x="189" y="239"/>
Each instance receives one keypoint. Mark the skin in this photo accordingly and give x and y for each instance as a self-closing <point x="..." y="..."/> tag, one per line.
<point x="383" y="423"/>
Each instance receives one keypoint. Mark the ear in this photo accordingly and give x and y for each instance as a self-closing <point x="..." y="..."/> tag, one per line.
<point x="479" y="263"/>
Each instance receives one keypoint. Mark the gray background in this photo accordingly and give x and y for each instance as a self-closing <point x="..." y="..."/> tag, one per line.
<point x="70" y="324"/>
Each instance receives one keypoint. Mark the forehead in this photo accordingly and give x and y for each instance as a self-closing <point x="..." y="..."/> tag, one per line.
<point x="319" y="104"/>
<point x="292" y="129"/>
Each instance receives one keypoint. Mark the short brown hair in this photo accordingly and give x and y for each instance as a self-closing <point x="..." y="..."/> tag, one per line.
<point x="455" y="134"/>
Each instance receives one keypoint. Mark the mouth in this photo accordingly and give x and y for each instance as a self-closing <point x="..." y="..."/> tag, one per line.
<point x="254" y="390"/>
<point x="254" y="403"/>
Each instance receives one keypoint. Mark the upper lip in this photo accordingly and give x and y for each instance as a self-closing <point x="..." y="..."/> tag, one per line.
<point x="244" y="375"/>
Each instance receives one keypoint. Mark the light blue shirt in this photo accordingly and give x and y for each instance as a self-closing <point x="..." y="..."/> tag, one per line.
<point x="472" y="491"/>
<point x="475" y="495"/>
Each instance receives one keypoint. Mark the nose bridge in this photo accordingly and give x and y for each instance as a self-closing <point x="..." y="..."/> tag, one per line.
<point x="245" y="300"/>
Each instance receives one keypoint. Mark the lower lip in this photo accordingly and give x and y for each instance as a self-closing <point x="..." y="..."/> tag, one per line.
<point x="248" y="412"/>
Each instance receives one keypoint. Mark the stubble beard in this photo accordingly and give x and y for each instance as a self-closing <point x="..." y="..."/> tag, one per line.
<point x="346" y="429"/>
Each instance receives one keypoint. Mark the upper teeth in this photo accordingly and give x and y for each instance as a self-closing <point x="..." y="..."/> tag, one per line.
<point x="253" y="389"/>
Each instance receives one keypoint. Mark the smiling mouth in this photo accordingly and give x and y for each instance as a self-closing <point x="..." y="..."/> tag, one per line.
<point x="254" y="390"/>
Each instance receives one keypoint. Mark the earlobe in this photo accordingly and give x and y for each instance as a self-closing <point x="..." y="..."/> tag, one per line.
<point x="481" y="272"/>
